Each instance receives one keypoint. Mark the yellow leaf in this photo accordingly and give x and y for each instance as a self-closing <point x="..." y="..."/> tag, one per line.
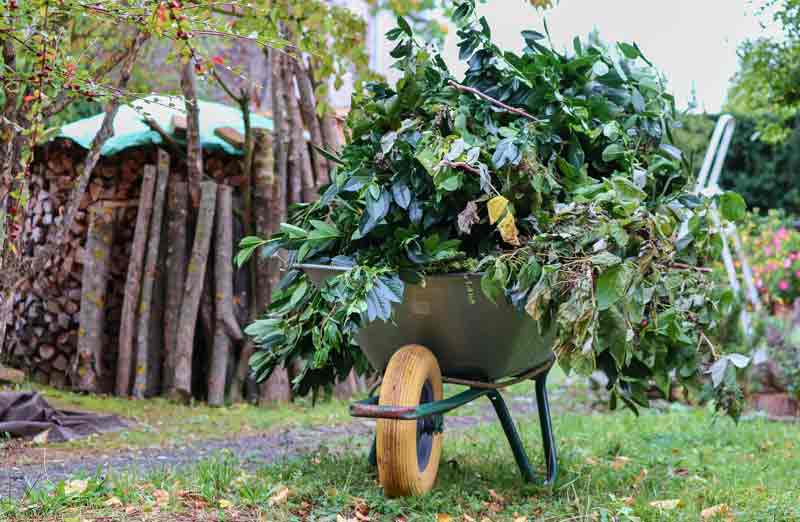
<point x="279" y="497"/>
<point x="666" y="504"/>
<point x="225" y="504"/>
<point x="443" y="517"/>
<point x="75" y="487"/>
<point x="113" y="502"/>
<point x="499" y="210"/>
<point x="521" y="519"/>
<point x="720" y="510"/>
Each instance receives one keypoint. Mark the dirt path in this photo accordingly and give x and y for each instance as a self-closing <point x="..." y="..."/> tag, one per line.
<point x="257" y="450"/>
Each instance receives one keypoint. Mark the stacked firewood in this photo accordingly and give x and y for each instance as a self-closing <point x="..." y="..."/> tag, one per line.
<point x="45" y="326"/>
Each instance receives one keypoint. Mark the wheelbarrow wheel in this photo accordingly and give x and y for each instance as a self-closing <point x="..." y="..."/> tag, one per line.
<point x="408" y="451"/>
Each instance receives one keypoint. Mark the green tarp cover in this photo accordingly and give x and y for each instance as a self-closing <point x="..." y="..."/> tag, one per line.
<point x="130" y="130"/>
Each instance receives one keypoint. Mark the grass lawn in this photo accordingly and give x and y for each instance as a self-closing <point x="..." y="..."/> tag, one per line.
<point x="673" y="465"/>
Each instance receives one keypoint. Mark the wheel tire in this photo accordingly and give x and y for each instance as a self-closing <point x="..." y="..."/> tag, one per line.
<point x="408" y="457"/>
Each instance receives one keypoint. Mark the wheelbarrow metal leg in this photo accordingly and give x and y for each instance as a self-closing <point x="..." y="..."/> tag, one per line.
<point x="512" y="435"/>
<point x="543" y="405"/>
<point x="373" y="452"/>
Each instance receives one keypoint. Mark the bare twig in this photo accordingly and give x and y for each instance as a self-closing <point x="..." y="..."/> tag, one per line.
<point x="476" y="92"/>
<point x="461" y="165"/>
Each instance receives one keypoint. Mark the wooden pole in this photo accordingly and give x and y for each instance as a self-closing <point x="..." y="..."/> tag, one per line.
<point x="223" y="302"/>
<point x="133" y="283"/>
<point x="302" y="172"/>
<point x="145" y="343"/>
<point x="194" y="151"/>
<point x="87" y="365"/>
<point x="195" y="276"/>
<point x="175" y="269"/>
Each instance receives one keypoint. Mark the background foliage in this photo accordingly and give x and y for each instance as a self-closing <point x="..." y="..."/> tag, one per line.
<point x="765" y="174"/>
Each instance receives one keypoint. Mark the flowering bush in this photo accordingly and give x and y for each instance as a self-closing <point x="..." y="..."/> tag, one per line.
<point x="772" y="245"/>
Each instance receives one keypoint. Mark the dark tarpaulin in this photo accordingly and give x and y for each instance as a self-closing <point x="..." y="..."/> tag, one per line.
<point x="29" y="414"/>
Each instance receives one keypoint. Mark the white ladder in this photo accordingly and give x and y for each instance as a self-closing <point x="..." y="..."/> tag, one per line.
<point x="708" y="185"/>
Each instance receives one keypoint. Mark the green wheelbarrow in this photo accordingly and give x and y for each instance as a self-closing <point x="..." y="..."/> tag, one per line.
<point x="446" y="331"/>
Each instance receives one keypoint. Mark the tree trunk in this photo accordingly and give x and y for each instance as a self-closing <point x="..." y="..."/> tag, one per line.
<point x="133" y="283"/>
<point x="147" y="345"/>
<point x="195" y="276"/>
<point x="281" y="124"/>
<point x="276" y="388"/>
<point x="177" y="228"/>
<point x="87" y="366"/>
<point x="223" y="305"/>
<point x="330" y="130"/>
<point x="194" y="151"/>
<point x="308" y="106"/>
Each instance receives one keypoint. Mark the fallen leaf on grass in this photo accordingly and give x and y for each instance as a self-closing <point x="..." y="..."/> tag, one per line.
<point x="279" y="497"/>
<point x="521" y="519"/>
<point x="443" y="517"/>
<point x="192" y="499"/>
<point x="112" y="502"/>
<point x="720" y="510"/>
<point x="340" y="518"/>
<point x="75" y="487"/>
<point x="225" y="504"/>
<point x="362" y="511"/>
<point x="640" y="477"/>
<point x="468" y="518"/>
<point x="666" y="504"/>
<point x="131" y="510"/>
<point x="591" y="461"/>
<point x="161" y="496"/>
<point x="619" y="463"/>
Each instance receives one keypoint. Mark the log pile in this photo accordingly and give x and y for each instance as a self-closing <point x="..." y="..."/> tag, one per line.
<point x="44" y="334"/>
<point x="141" y="297"/>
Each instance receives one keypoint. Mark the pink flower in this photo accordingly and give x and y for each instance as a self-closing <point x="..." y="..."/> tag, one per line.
<point x="787" y="263"/>
<point x="797" y="274"/>
<point x="772" y="266"/>
<point x="783" y="285"/>
<point x="783" y="233"/>
<point x="759" y="283"/>
<point x="767" y="251"/>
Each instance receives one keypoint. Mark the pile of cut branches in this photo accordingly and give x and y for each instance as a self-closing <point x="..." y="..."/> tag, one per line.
<point x="551" y="173"/>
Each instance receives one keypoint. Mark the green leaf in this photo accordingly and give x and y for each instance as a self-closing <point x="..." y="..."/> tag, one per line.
<point x="613" y="152"/>
<point x="403" y="25"/>
<point x="610" y="287"/>
<point x="732" y="206"/>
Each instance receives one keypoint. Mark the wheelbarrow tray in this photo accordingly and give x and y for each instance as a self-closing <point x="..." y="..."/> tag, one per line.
<point x="471" y="337"/>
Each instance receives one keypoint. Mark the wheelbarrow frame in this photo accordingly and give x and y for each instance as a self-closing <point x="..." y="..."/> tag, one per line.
<point x="475" y="319"/>
<point x="434" y="412"/>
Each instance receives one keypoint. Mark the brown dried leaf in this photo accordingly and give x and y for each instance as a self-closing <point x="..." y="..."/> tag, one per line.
<point x="619" y="463"/>
<point x="279" y="497"/>
<point x="161" y="497"/>
<point x="467" y="218"/>
<point x="720" y="510"/>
